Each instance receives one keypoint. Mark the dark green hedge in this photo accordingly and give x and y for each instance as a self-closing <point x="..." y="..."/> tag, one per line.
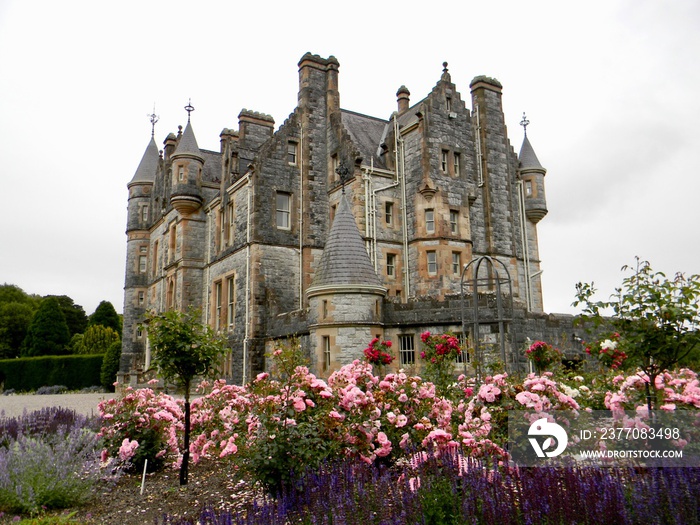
<point x="30" y="373"/>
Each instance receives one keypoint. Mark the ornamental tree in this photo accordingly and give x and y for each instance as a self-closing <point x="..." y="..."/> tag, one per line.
<point x="48" y="332"/>
<point x="657" y="318"/>
<point x="184" y="349"/>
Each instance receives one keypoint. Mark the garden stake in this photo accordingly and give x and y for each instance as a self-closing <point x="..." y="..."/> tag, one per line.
<point x="143" y="478"/>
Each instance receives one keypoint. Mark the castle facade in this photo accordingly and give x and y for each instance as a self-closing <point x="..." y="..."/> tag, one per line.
<point x="339" y="227"/>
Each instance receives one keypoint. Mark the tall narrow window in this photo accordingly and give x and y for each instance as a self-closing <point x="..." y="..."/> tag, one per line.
<point x="172" y="242"/>
<point x="222" y="229"/>
<point x="454" y="222"/>
<point x="231" y="294"/>
<point x="171" y="294"/>
<point x="326" y="353"/>
<point x="144" y="213"/>
<point x="528" y="188"/>
<point x="292" y="153"/>
<point x="181" y="174"/>
<point x="143" y="259"/>
<point x="391" y="265"/>
<point x="389" y="213"/>
<point x="324" y="309"/>
<point x="142" y="298"/>
<point x="231" y="223"/>
<point x="457" y="159"/>
<point x="430" y="221"/>
<point x="154" y="260"/>
<point x="283" y="210"/>
<point x="218" y="300"/>
<point x="456" y="263"/>
<point x="407" y="352"/>
<point x="432" y="262"/>
<point x="448" y="103"/>
<point x="443" y="160"/>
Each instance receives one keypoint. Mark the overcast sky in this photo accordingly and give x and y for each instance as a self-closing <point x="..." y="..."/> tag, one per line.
<point x="611" y="89"/>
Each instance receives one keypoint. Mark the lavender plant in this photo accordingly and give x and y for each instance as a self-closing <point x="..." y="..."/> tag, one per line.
<point x="48" y="470"/>
<point x="449" y="488"/>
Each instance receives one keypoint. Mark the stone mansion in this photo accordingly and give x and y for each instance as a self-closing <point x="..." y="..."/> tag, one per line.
<point x="339" y="227"/>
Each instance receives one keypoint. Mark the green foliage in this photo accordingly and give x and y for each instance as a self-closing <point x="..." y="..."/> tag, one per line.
<point x="183" y="348"/>
<point x="657" y="318"/>
<point x="96" y="340"/>
<point x="107" y="316"/>
<point x="48" y="332"/>
<point x="76" y="319"/>
<point x="31" y="373"/>
<point x="288" y="441"/>
<point x="15" y="318"/>
<point x="52" y="520"/>
<point x="440" y="501"/>
<point x="110" y="366"/>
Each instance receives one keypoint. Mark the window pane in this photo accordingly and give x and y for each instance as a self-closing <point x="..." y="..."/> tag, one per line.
<point x="407" y="354"/>
<point x="432" y="262"/>
<point x="430" y="221"/>
<point x="283" y="207"/>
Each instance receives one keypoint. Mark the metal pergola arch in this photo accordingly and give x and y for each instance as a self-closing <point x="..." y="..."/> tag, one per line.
<point x="491" y="281"/>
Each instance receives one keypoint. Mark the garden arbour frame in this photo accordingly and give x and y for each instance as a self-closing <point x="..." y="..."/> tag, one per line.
<point x="485" y="274"/>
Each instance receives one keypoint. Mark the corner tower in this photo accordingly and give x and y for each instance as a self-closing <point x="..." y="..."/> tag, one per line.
<point x="136" y="279"/>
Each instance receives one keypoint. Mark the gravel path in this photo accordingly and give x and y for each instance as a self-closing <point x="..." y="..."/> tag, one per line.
<point x="15" y="405"/>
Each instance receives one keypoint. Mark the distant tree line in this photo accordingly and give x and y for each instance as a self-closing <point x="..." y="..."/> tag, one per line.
<point x="31" y="326"/>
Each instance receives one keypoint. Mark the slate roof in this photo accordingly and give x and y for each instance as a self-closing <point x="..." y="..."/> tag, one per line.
<point x="146" y="172"/>
<point x="188" y="142"/>
<point x="366" y="133"/>
<point x="345" y="260"/>
<point x="527" y="156"/>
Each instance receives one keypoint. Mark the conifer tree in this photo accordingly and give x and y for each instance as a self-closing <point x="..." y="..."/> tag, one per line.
<point x="75" y="315"/>
<point x="48" y="333"/>
<point x="107" y="316"/>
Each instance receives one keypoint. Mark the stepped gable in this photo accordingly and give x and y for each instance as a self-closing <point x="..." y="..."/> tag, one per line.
<point x="345" y="261"/>
<point x="146" y="172"/>
<point x="527" y="156"/>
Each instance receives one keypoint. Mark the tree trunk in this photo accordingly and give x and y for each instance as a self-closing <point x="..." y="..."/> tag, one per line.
<point x="186" y="454"/>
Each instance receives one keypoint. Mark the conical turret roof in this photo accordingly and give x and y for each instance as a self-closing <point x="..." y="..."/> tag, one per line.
<point x="146" y="172"/>
<point x="345" y="261"/>
<point x="188" y="143"/>
<point x="527" y="156"/>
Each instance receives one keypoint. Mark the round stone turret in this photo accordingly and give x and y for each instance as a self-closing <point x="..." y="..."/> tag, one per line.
<point x="532" y="174"/>
<point x="187" y="166"/>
